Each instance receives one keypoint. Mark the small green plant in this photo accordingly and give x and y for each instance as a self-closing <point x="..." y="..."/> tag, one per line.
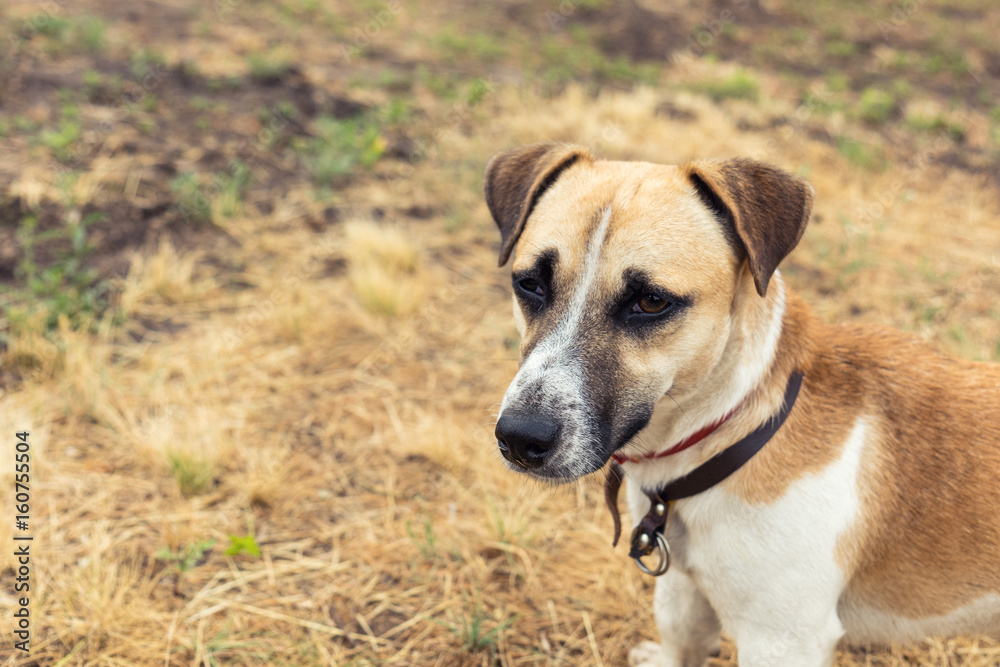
<point x="398" y="112"/>
<point x="90" y="34"/>
<point x="840" y="48"/>
<point x="954" y="62"/>
<point x="62" y="140"/>
<point x="477" y="92"/>
<point x="219" y="84"/>
<point x="342" y="146"/>
<point x="454" y="45"/>
<point x="230" y="187"/>
<point x="740" y="85"/>
<point x="268" y="68"/>
<point x="860" y="154"/>
<point x="935" y="123"/>
<point x="286" y="110"/>
<point x="426" y="544"/>
<point x="221" y="649"/>
<point x="184" y="560"/>
<point x="91" y="83"/>
<point x="62" y="288"/>
<point x="837" y="82"/>
<point x="471" y="629"/>
<point x="145" y="61"/>
<point x="194" y="474"/>
<point x="24" y="124"/>
<point x="561" y="64"/>
<point x="875" y="106"/>
<point x="194" y="206"/>
<point x="49" y="25"/>
<point x="239" y="544"/>
<point x="395" y="81"/>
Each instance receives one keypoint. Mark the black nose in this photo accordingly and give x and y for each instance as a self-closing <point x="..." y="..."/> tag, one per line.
<point x="526" y="439"/>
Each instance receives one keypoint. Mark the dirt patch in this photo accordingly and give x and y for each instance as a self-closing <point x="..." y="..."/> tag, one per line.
<point x="113" y="230"/>
<point x="638" y="33"/>
<point x="170" y="122"/>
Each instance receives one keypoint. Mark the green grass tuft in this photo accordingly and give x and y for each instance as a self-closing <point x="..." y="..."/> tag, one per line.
<point x="193" y="204"/>
<point x="268" y="67"/>
<point x="341" y="147"/>
<point x="875" y="106"/>
<point x="194" y="474"/>
<point x="740" y="85"/>
<point x="61" y="289"/>
<point x="90" y="34"/>
<point x="860" y="154"/>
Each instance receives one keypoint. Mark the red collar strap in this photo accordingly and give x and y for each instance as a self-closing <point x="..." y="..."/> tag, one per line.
<point x="690" y="441"/>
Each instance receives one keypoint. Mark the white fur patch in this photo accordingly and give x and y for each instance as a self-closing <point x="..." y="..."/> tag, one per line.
<point x="554" y="365"/>
<point x="769" y="570"/>
<point x="865" y="624"/>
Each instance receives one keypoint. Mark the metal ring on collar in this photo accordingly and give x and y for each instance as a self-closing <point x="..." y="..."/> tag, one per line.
<point x="664" y="558"/>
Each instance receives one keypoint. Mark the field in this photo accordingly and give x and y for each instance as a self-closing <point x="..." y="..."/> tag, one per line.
<point x="251" y="317"/>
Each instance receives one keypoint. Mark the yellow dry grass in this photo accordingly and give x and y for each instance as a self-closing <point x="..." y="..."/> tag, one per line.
<point x="346" y="415"/>
<point x="383" y="262"/>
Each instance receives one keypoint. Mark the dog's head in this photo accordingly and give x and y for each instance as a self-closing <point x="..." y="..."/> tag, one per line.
<point x="627" y="277"/>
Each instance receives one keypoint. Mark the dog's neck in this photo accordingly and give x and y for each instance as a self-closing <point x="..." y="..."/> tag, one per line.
<point x="734" y="383"/>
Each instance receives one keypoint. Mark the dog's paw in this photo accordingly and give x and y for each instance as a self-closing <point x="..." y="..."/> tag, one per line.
<point x="646" y="654"/>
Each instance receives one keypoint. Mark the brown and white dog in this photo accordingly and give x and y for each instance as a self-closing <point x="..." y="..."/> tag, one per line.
<point x="650" y="306"/>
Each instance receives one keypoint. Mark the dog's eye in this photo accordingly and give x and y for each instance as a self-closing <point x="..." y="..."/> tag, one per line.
<point x="531" y="286"/>
<point x="650" y="304"/>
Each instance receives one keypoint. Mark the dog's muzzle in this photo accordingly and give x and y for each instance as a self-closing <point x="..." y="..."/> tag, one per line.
<point x="526" y="439"/>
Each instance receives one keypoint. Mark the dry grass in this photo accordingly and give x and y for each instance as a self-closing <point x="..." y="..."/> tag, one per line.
<point x="383" y="264"/>
<point x="163" y="276"/>
<point x="341" y="403"/>
<point x="359" y="443"/>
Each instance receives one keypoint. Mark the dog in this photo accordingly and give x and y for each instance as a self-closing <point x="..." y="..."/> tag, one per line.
<point x="657" y="330"/>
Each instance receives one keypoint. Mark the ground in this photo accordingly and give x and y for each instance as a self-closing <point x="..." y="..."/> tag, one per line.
<point x="252" y="320"/>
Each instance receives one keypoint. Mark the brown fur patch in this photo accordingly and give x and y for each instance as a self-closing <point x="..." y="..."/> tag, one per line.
<point x="515" y="179"/>
<point x="768" y="208"/>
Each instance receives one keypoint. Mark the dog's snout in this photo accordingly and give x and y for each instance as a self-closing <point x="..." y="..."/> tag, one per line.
<point x="526" y="439"/>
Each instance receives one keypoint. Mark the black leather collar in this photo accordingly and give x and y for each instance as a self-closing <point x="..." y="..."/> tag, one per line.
<point x="649" y="532"/>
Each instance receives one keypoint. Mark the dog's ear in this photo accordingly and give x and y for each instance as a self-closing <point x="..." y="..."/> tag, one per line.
<point x="765" y="207"/>
<point x="515" y="180"/>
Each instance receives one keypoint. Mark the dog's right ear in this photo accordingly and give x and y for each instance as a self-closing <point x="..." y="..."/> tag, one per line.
<point x="515" y="180"/>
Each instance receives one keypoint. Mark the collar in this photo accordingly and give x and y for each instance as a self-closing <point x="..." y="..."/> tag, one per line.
<point x="648" y="535"/>
<point x="690" y="441"/>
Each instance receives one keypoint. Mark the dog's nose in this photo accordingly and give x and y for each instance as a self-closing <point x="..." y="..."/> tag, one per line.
<point x="526" y="439"/>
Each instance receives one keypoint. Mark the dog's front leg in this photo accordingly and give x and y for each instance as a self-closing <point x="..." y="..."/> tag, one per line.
<point x="689" y="627"/>
<point x="802" y="644"/>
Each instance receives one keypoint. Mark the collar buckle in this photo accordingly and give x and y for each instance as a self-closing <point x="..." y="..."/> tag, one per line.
<point x="648" y="537"/>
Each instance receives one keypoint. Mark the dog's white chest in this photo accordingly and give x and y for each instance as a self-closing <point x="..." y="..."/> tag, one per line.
<point x="778" y="560"/>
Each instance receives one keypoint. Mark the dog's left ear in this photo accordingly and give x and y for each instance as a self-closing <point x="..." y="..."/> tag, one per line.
<point x="766" y="207"/>
<point x="515" y="180"/>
